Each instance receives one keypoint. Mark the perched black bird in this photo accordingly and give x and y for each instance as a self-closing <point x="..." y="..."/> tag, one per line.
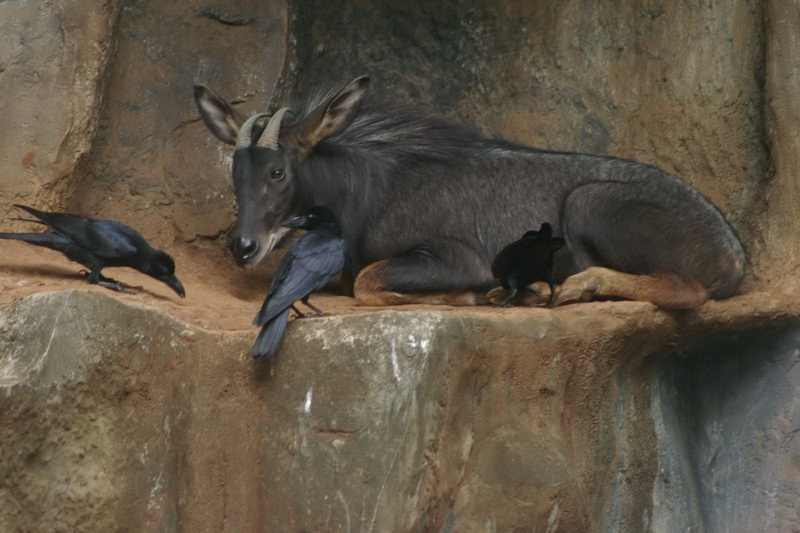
<point x="309" y="264"/>
<point x="527" y="260"/>
<point x="96" y="244"/>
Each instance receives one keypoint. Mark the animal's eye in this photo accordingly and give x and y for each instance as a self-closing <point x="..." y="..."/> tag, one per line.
<point x="278" y="174"/>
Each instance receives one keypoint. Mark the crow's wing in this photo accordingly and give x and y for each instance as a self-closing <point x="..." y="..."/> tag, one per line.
<point x="48" y="239"/>
<point x="308" y="266"/>
<point x="110" y="239"/>
<point x="507" y="259"/>
<point x="535" y="262"/>
<point x="104" y="238"/>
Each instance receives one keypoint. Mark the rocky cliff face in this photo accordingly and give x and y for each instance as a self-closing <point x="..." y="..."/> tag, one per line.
<point x="598" y="417"/>
<point x="603" y="417"/>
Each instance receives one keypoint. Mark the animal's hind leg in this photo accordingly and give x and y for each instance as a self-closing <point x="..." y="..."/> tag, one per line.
<point x="632" y="241"/>
<point x="452" y="275"/>
<point x="668" y="291"/>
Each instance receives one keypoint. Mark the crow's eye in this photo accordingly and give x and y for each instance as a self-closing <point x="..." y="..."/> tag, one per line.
<point x="278" y="174"/>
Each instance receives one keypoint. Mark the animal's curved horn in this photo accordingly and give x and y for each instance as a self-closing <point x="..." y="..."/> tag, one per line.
<point x="244" y="138"/>
<point x="269" y="139"/>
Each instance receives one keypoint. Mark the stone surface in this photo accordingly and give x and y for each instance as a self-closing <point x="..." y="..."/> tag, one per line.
<point x="780" y="226"/>
<point x="596" y="417"/>
<point x="53" y="57"/>
<point x="727" y="412"/>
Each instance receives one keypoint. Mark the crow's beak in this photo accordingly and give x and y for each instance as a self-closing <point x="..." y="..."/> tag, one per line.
<point x="175" y="285"/>
<point x="296" y="222"/>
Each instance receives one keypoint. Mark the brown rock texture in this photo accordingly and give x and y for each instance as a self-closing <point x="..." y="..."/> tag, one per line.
<point x="53" y="58"/>
<point x="601" y="417"/>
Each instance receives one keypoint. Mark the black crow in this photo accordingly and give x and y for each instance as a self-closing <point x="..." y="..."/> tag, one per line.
<point x="527" y="260"/>
<point x="309" y="264"/>
<point x="96" y="244"/>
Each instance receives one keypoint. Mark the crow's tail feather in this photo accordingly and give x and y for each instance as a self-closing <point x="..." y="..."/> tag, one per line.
<point x="271" y="335"/>
<point x="33" y="211"/>
<point x="20" y="219"/>
<point x="46" y="239"/>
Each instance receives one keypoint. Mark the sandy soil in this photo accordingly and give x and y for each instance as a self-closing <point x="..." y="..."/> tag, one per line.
<point x="219" y="295"/>
<point x="223" y="297"/>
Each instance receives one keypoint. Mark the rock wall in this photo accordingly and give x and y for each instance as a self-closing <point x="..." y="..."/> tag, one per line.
<point x="726" y="417"/>
<point x="603" y="417"/>
<point x="53" y="58"/>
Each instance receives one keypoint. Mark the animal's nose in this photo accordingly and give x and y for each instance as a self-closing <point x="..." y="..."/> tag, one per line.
<point x="244" y="249"/>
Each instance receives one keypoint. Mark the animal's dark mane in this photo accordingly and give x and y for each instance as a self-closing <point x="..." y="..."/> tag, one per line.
<point x="401" y="133"/>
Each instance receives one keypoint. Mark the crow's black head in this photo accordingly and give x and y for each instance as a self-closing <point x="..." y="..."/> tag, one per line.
<point x="162" y="268"/>
<point x="317" y="216"/>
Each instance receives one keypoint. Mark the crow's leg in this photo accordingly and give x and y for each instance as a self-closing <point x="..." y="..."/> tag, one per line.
<point x="551" y="299"/>
<point x="512" y="292"/>
<point x="317" y="311"/>
<point x="95" y="278"/>
<point x="109" y="283"/>
<point x="300" y="314"/>
<point x="443" y="272"/>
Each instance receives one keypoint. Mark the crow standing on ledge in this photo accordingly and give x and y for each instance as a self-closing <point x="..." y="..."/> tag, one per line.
<point x="527" y="260"/>
<point x="309" y="264"/>
<point x="97" y="244"/>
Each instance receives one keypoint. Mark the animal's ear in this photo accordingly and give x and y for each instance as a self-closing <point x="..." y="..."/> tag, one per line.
<point x="219" y="116"/>
<point x="332" y="117"/>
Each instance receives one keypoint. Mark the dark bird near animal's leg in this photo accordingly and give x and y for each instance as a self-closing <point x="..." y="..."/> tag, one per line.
<point x="527" y="260"/>
<point x="309" y="264"/>
<point x="98" y="243"/>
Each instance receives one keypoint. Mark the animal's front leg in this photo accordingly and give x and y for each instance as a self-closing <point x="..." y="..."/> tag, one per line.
<point x="452" y="275"/>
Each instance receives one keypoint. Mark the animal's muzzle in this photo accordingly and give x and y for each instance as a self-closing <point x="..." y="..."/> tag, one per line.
<point x="244" y="250"/>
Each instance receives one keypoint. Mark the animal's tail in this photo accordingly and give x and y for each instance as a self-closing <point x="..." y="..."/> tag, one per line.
<point x="46" y="239"/>
<point x="271" y="335"/>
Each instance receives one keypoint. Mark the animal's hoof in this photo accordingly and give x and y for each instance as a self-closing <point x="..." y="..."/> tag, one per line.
<point x="534" y="295"/>
<point x="569" y="296"/>
<point x="498" y="296"/>
<point x="578" y="288"/>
